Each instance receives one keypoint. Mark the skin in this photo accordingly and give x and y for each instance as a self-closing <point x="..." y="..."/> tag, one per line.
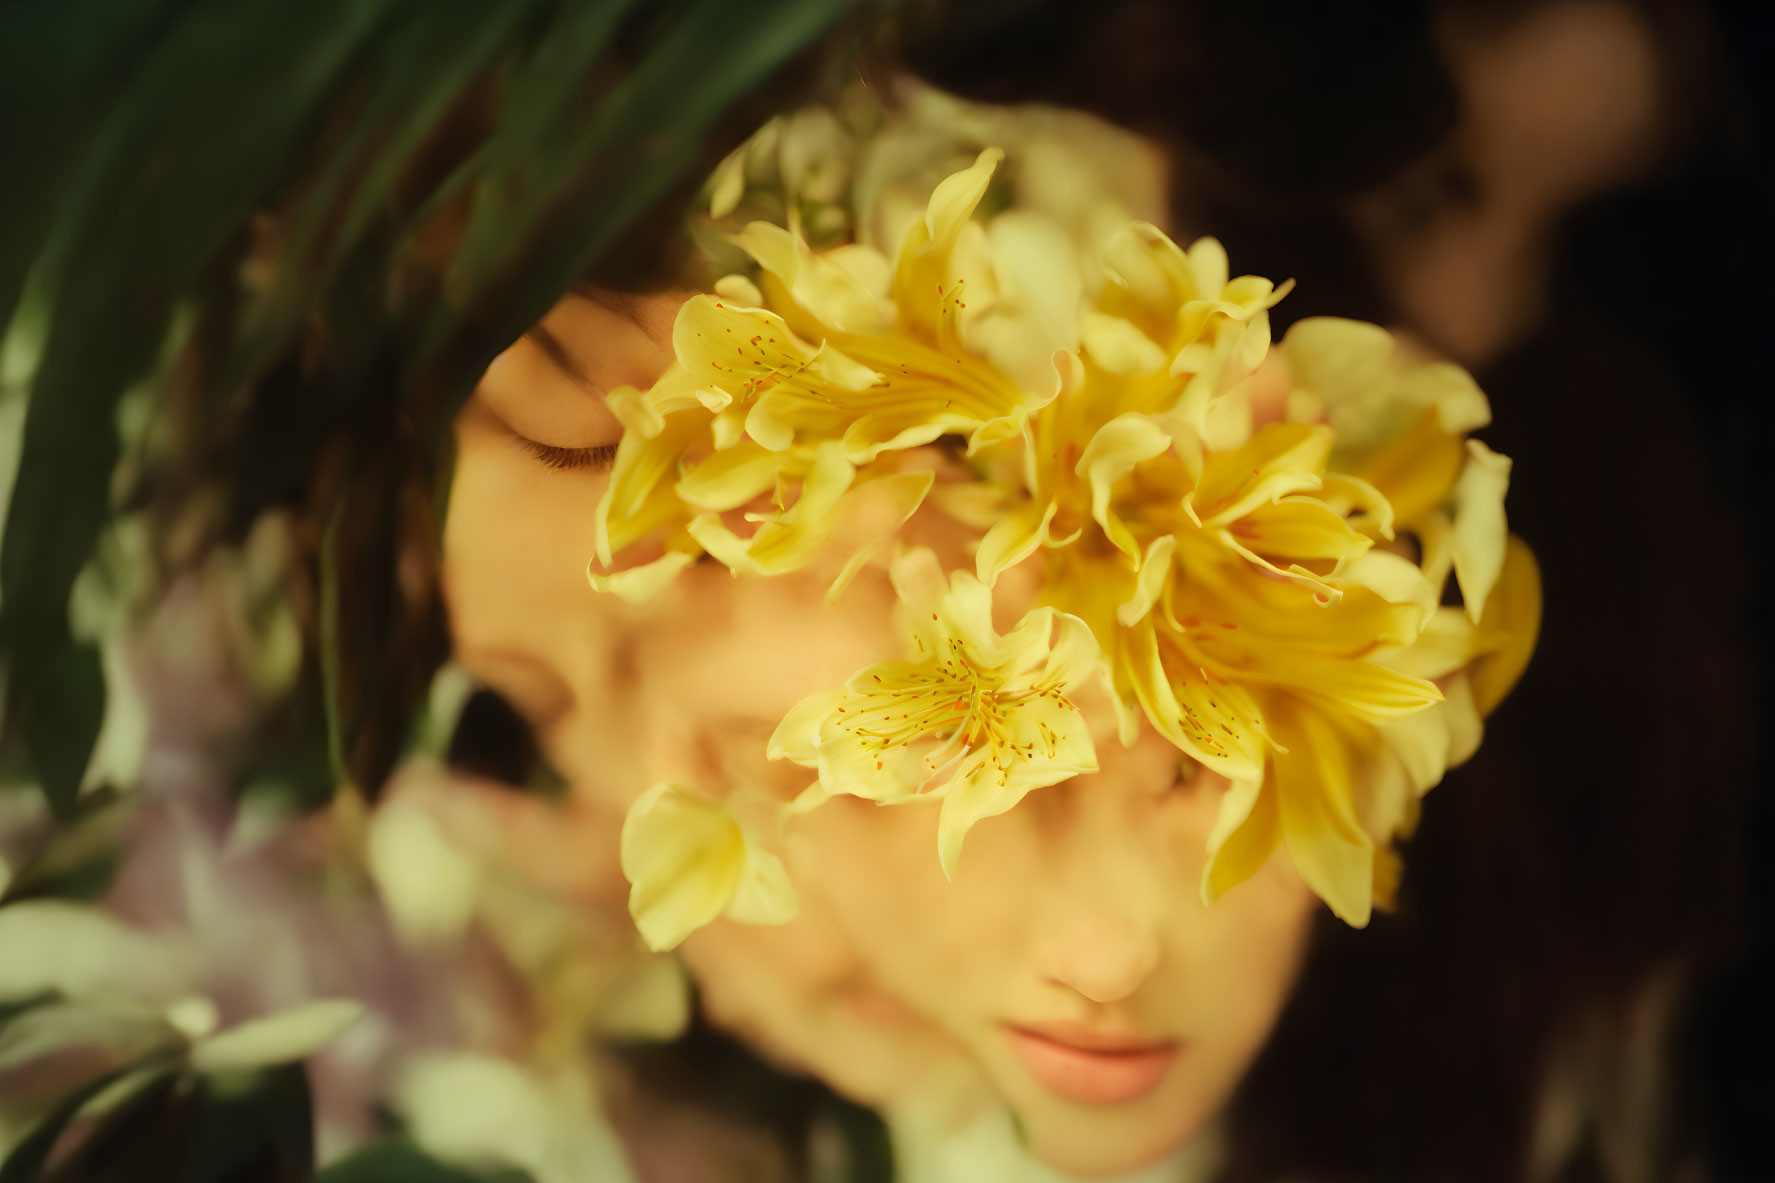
<point x="893" y="984"/>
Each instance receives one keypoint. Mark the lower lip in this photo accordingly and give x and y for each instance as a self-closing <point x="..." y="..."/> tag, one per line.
<point x="1090" y="1077"/>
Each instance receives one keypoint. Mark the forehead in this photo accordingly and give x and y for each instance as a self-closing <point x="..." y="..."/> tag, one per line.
<point x="588" y="345"/>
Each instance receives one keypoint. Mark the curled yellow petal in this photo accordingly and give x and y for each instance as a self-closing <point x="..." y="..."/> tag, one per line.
<point x="688" y="861"/>
<point x="1013" y="538"/>
<point x="1246" y="832"/>
<point x="1316" y="798"/>
<point x="1512" y="620"/>
<point x="1119" y="346"/>
<point x="1479" y="537"/>
<point x="638" y="585"/>
<point x="1414" y="470"/>
<point x="1278" y="460"/>
<point x="731" y="478"/>
<point x="1114" y="451"/>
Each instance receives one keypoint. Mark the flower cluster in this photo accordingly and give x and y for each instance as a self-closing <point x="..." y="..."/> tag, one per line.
<point x="1249" y="543"/>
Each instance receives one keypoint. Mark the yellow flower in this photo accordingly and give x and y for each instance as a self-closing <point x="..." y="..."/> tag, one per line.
<point x="972" y="717"/>
<point x="688" y="861"/>
<point x="1267" y="593"/>
<point x="752" y="408"/>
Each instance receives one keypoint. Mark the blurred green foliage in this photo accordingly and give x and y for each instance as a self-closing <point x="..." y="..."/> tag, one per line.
<point x="145" y="143"/>
<point x="143" y="138"/>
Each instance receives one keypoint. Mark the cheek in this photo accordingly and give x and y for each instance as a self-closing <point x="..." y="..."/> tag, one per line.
<point x="714" y="663"/>
<point x="1236" y="966"/>
<point x="522" y="620"/>
<point x="925" y="938"/>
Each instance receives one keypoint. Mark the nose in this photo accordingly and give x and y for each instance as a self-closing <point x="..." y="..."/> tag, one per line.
<point x="1099" y="934"/>
<point x="1100" y="955"/>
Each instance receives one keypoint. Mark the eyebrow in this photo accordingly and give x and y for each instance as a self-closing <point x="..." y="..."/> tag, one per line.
<point x="552" y="348"/>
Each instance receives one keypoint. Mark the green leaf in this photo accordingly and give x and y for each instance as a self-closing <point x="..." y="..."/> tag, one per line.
<point x="25" y="1163"/>
<point x="200" y="132"/>
<point x="401" y="1162"/>
<point x="263" y="1131"/>
<point x="414" y="74"/>
<point x="179" y="1128"/>
<point x="61" y="66"/>
<point x="289" y="1035"/>
<point x="135" y="1137"/>
<point x="627" y="152"/>
<point x="78" y="860"/>
<point x="62" y="711"/>
<point x="213" y="111"/>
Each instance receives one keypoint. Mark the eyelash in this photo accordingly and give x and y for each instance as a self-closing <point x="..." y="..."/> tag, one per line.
<point x="571" y="459"/>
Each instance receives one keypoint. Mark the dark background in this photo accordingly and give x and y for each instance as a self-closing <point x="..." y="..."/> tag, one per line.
<point x="1619" y="817"/>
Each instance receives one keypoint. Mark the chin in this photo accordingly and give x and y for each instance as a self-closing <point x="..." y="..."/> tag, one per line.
<point x="1090" y="1146"/>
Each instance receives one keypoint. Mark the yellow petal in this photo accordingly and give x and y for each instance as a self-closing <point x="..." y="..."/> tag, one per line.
<point x="1368" y="392"/>
<point x="1149" y="583"/>
<point x="1000" y="429"/>
<point x="1345" y="362"/>
<point x="1208" y="268"/>
<point x="954" y="199"/>
<point x="1397" y="580"/>
<point x="1421" y="742"/>
<point x="908" y="425"/>
<point x="1365" y="686"/>
<point x="919" y="582"/>
<point x="639" y="585"/>
<point x="1367" y="509"/>
<point x="878" y="508"/>
<point x="642" y="463"/>
<point x="982" y="789"/>
<point x="852" y="765"/>
<point x="734" y="347"/>
<point x="739" y="289"/>
<point x="728" y="428"/>
<point x="1448" y="642"/>
<point x="1315" y="790"/>
<point x="1438" y="561"/>
<point x="970" y="799"/>
<point x="1279" y="459"/>
<point x="1479" y="537"/>
<point x="1415" y="470"/>
<point x="1389" y="871"/>
<point x="1465" y="727"/>
<point x="727" y="480"/>
<point x="1217" y="723"/>
<point x="684" y="857"/>
<point x="728" y="182"/>
<point x="1013" y="538"/>
<point x="1073" y="654"/>
<point x="967" y="614"/>
<point x="764" y="894"/>
<point x="797" y="737"/>
<point x="1118" y="345"/>
<point x="1037" y="270"/>
<point x="1246" y="832"/>
<point x="1513" y="618"/>
<point x="1114" y="451"/>
<point x="827" y="291"/>
<point x="974" y="504"/>
<point x="784" y="541"/>
<point x="1298" y="528"/>
<point x="926" y="295"/>
<point x="1461" y="407"/>
<point x="635" y="411"/>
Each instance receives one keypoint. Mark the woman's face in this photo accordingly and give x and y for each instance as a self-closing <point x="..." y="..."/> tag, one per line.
<point x="1069" y="969"/>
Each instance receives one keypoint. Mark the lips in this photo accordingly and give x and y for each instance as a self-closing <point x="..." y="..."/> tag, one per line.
<point x="1091" y="1067"/>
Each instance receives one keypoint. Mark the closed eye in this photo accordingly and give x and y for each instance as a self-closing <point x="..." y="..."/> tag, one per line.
<point x="596" y="459"/>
